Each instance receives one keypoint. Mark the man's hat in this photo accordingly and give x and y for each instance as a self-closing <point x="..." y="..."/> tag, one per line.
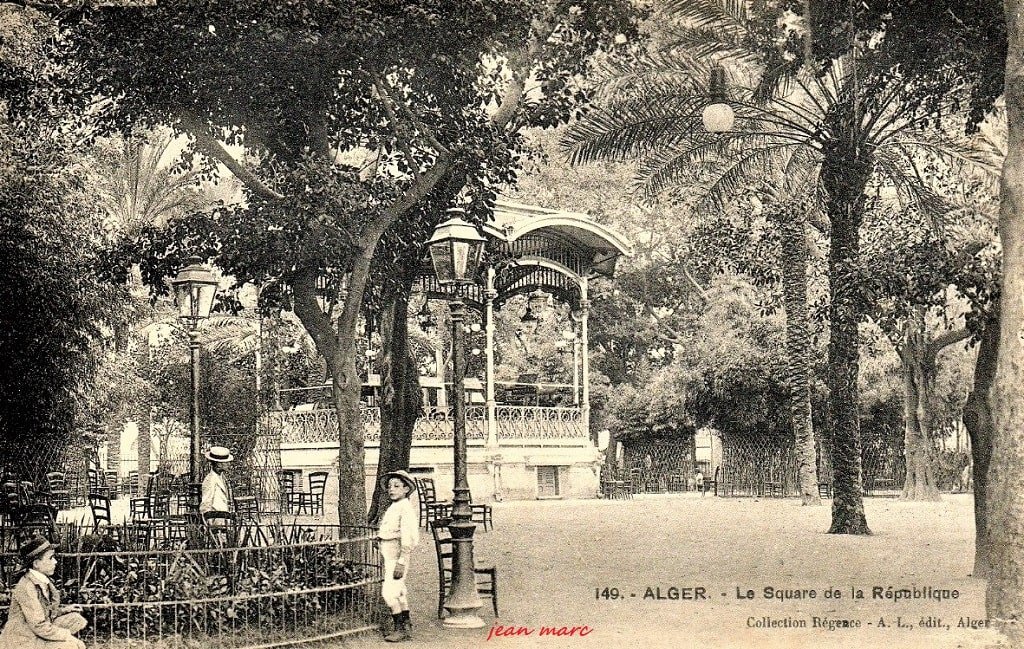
<point x="402" y="475"/>
<point x="219" y="454"/>
<point x="33" y="548"/>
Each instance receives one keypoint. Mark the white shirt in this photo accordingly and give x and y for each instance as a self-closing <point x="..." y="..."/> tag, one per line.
<point x="216" y="494"/>
<point x="401" y="522"/>
<point x="38" y="577"/>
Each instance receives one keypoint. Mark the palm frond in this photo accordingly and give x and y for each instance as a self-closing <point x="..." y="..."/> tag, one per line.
<point x="710" y="12"/>
<point x="657" y="72"/>
<point x="239" y="347"/>
<point x="672" y="167"/>
<point x="900" y="172"/>
<point x="670" y="163"/>
<point x="723" y="30"/>
<point x="629" y="129"/>
<point x="800" y="170"/>
<point x="948" y="150"/>
<point x="777" y="79"/>
<point x="713" y="44"/>
<point x="222" y="321"/>
<point x="740" y="173"/>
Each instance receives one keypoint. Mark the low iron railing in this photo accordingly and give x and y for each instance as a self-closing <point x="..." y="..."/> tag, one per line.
<point x="291" y="586"/>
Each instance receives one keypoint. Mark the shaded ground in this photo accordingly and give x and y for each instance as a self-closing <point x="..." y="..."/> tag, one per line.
<point x="554" y="557"/>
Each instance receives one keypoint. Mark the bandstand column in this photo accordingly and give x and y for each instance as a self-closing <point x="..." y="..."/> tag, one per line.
<point x="576" y="371"/>
<point x="585" y="335"/>
<point x="490" y="294"/>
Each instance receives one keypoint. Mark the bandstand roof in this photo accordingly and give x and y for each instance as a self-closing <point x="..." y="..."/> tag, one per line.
<point x="551" y="250"/>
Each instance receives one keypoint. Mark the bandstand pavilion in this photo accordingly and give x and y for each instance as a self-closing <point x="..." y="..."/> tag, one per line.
<point x="517" y="448"/>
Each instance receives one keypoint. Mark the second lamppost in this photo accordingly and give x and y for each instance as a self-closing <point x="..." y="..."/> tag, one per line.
<point x="455" y="250"/>
<point x="194" y="289"/>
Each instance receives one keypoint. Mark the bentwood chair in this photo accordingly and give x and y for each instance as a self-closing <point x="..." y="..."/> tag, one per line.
<point x="483" y="513"/>
<point x="486" y="575"/>
<point x="247" y="509"/>
<point x="56" y="490"/>
<point x="99" y="504"/>
<point x="312" y="501"/>
<point x="223" y="527"/>
<point x="286" y="490"/>
<point x="110" y="481"/>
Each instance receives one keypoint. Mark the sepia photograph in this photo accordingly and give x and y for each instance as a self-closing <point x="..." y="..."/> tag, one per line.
<point x="511" y="323"/>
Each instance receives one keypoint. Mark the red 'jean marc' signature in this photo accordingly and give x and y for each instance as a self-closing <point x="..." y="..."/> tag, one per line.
<point x="502" y="631"/>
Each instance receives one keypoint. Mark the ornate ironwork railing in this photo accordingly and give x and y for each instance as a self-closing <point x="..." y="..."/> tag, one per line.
<point x="435" y="424"/>
<point x="539" y="422"/>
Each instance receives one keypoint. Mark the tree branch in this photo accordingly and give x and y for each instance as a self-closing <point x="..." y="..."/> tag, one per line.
<point x="420" y="187"/>
<point x="944" y="340"/>
<point x="403" y="143"/>
<point x="670" y="334"/>
<point x="514" y="93"/>
<point x="316" y="322"/>
<point x="697" y="287"/>
<point x="421" y="127"/>
<point x="215" y="150"/>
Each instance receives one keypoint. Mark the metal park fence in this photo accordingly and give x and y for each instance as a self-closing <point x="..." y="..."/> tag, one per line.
<point x="282" y="587"/>
<point x="765" y="467"/>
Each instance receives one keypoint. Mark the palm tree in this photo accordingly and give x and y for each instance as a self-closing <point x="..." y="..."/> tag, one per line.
<point x="139" y="188"/>
<point x="850" y="137"/>
<point x="790" y="213"/>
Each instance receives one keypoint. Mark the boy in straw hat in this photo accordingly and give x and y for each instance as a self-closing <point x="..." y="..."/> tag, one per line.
<point x="216" y="490"/>
<point x="399" y="533"/>
<point x="36" y="620"/>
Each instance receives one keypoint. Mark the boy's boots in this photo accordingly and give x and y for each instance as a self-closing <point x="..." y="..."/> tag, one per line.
<point x="401" y="630"/>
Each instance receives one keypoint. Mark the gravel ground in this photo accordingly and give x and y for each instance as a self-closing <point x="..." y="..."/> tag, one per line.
<point x="555" y="558"/>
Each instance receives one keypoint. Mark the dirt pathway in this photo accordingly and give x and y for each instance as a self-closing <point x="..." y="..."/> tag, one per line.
<point x="555" y="560"/>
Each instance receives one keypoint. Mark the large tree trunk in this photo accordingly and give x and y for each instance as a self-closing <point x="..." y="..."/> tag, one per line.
<point x="918" y="383"/>
<point x="347" y="390"/>
<point x="978" y="421"/>
<point x="400" y="395"/>
<point x="338" y="349"/>
<point x="143" y="445"/>
<point x="1005" y="489"/>
<point x="338" y="345"/>
<point x="798" y="346"/>
<point x="845" y="170"/>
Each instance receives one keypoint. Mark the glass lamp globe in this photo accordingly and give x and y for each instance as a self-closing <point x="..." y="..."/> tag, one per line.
<point x="718" y="118"/>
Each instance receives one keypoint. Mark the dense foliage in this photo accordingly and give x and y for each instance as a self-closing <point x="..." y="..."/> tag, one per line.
<point x="57" y="310"/>
<point x="359" y="124"/>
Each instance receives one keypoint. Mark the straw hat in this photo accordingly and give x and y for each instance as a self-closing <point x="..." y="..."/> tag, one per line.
<point x="402" y="475"/>
<point x="219" y="454"/>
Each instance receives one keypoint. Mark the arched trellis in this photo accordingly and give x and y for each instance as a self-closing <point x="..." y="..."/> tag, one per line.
<point x="553" y="251"/>
<point x="531" y="273"/>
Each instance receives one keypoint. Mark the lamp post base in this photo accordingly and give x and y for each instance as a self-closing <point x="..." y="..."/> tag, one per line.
<point x="463" y="620"/>
<point x="463" y="600"/>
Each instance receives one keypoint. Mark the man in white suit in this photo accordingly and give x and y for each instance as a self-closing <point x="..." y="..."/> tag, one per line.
<point x="216" y="490"/>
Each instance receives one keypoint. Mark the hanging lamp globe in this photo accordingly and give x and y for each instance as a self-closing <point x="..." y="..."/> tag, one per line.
<point x="718" y="116"/>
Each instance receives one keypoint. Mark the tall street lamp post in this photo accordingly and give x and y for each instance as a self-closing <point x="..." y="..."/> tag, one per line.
<point x="194" y="289"/>
<point x="455" y="250"/>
